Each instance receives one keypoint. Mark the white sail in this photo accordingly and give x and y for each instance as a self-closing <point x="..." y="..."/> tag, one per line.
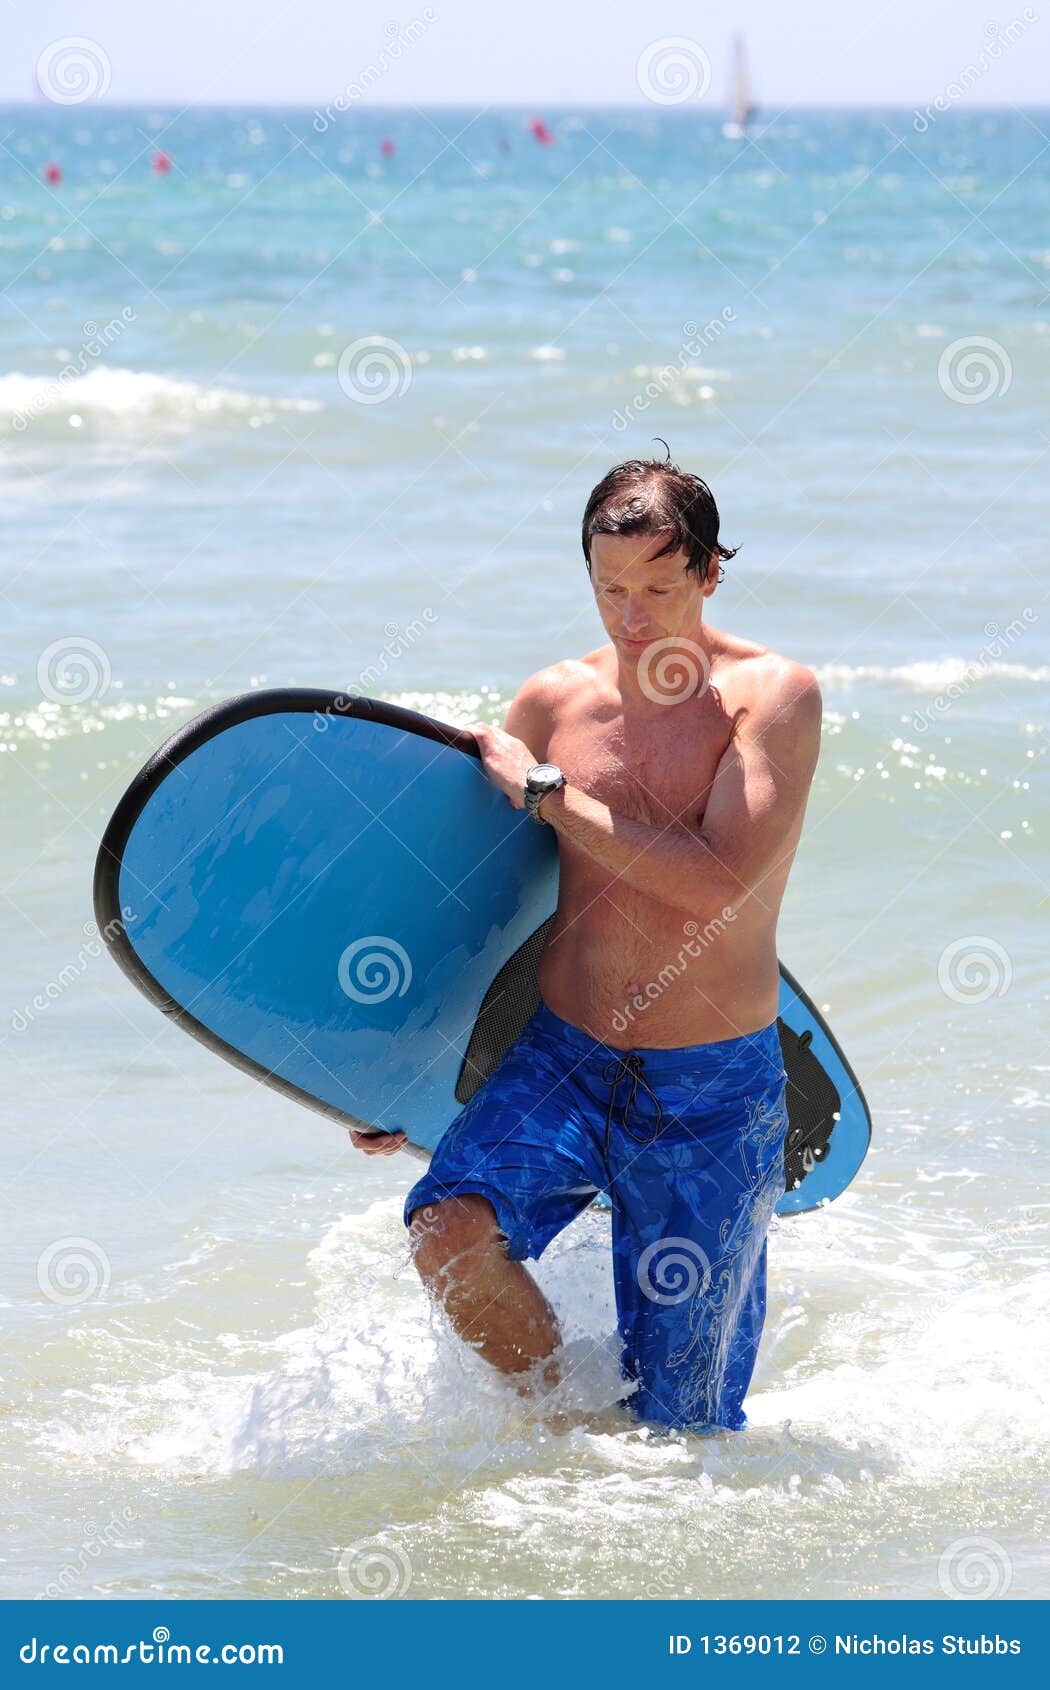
<point x="740" y="104"/>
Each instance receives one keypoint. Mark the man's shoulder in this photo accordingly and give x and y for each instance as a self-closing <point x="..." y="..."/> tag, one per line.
<point x="545" y="689"/>
<point x="539" y="701"/>
<point x="776" y="699"/>
<point x="789" y="685"/>
<point x="764" y="680"/>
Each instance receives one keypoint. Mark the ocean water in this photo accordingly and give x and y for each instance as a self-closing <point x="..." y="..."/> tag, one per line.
<point x="294" y="412"/>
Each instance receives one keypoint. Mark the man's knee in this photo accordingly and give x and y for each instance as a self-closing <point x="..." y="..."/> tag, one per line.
<point x="453" y="1229"/>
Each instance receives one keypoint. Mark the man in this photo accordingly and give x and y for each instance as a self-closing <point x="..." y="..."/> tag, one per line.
<point x="674" y="764"/>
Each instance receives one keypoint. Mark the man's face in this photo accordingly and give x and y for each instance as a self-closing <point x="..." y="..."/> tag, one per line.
<point x="642" y="597"/>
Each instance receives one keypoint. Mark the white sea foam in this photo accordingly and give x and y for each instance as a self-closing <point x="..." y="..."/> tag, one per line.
<point x="118" y="392"/>
<point x="372" y="1372"/>
<point x="934" y="1372"/>
<point x="933" y="674"/>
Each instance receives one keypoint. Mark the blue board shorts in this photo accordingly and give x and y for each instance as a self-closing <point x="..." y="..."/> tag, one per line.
<point x="689" y="1145"/>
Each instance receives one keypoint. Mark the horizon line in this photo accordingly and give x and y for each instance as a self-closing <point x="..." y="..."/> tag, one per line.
<point x="41" y="102"/>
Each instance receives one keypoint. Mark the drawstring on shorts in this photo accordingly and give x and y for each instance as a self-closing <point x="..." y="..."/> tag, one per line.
<point x="631" y="1067"/>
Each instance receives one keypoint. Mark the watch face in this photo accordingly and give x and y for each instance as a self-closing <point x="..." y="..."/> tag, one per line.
<point x="544" y="772"/>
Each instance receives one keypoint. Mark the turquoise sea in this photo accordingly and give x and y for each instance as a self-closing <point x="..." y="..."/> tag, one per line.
<point x="294" y="411"/>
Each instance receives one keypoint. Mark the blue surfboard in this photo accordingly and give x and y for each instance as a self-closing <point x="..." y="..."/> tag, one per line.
<point x="329" y="892"/>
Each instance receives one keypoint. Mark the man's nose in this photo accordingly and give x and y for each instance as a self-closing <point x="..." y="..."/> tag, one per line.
<point x="635" y="616"/>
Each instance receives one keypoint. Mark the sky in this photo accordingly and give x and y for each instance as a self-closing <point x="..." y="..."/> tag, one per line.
<point x="543" y="53"/>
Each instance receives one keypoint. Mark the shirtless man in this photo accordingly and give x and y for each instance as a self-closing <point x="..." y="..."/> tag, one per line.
<point x="682" y="759"/>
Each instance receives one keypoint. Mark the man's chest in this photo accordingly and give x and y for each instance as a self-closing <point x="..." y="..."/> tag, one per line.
<point x="658" y="771"/>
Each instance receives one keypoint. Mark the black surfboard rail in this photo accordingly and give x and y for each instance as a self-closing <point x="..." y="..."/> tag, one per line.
<point x="217" y="719"/>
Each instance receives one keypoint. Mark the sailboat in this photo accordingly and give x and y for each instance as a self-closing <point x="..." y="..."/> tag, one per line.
<point x="743" y="111"/>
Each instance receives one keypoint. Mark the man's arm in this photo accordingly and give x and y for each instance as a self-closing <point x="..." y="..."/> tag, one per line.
<point x="530" y="713"/>
<point x="754" y="809"/>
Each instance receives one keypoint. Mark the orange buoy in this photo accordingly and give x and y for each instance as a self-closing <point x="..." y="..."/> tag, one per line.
<point x="52" y="174"/>
<point x="162" y="163"/>
<point x="386" y="147"/>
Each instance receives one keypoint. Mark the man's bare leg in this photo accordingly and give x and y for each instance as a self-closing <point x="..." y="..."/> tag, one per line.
<point x="493" y="1303"/>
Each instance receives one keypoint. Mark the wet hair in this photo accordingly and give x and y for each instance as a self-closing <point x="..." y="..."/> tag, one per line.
<point x="647" y="497"/>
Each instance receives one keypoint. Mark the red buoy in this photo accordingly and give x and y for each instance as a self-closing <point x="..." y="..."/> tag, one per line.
<point x="162" y="163"/>
<point x="52" y="174"/>
<point x="386" y="147"/>
<point x="540" y="131"/>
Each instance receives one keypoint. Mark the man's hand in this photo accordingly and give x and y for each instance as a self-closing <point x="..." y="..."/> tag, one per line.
<point x="376" y="1144"/>
<point x="506" y="760"/>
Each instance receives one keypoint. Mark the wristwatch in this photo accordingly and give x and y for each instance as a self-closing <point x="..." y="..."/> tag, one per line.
<point x="541" y="779"/>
